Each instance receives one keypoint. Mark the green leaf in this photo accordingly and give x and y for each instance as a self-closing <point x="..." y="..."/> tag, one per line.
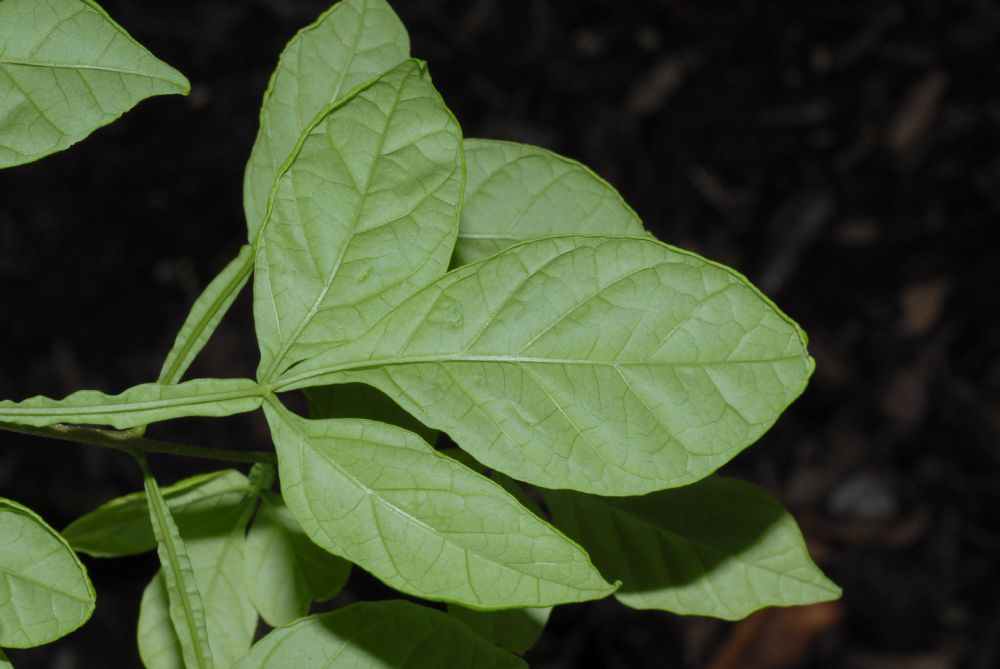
<point x="66" y="69"/>
<point x="352" y="43"/>
<point x="720" y="548"/>
<point x="216" y="549"/>
<point x="158" y="644"/>
<point x="366" y="214"/>
<point x="356" y="400"/>
<point x="517" y="192"/>
<point x="517" y="630"/>
<point x="206" y="314"/>
<point x="377" y="635"/>
<point x="44" y="589"/>
<point x="4" y="662"/>
<point x="184" y="604"/>
<point x="419" y="521"/>
<point x="284" y="570"/>
<point x="139" y="405"/>
<point x="121" y="527"/>
<point x="616" y="366"/>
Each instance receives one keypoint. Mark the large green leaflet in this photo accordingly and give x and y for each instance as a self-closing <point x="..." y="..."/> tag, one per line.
<point x="352" y="43"/>
<point x="121" y="527"/>
<point x="378" y="635"/>
<point x="720" y="547"/>
<point x="517" y="192"/>
<point x="517" y="630"/>
<point x="44" y="589"/>
<point x="421" y="522"/>
<point x="215" y="548"/>
<point x="616" y="366"/>
<point x="139" y="405"/>
<point x="366" y="214"/>
<point x="284" y="571"/>
<point x="66" y="69"/>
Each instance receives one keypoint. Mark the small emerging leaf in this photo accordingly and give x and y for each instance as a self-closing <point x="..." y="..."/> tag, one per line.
<point x="284" y="570"/>
<point x="517" y="192"/>
<point x="720" y="548"/>
<point x="121" y="527"/>
<point x="139" y="405"/>
<point x="352" y="43"/>
<point x="377" y="635"/>
<point x="517" y="630"/>
<point x="44" y="589"/>
<point x="421" y="522"/>
<point x="365" y="215"/>
<point x="616" y="366"/>
<point x="66" y="69"/>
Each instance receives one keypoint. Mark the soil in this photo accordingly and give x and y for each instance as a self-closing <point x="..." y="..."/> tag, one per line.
<point x="844" y="156"/>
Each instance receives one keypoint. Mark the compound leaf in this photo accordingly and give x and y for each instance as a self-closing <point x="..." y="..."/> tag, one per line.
<point x="517" y="192"/>
<point x="420" y="521"/>
<point x="616" y="366"/>
<point x="517" y="630"/>
<point x="351" y="43"/>
<point x="44" y="589"/>
<point x="284" y="570"/>
<point x="206" y="314"/>
<point x="366" y="214"/>
<point x="66" y="69"/>
<point x="121" y="527"/>
<point x="720" y="548"/>
<point x="377" y="635"/>
<point x="139" y="405"/>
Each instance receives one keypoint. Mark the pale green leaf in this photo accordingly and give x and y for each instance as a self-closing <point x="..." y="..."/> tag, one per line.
<point x="66" y="69"/>
<point x="378" y="635"/>
<point x="366" y="215"/>
<point x="352" y="43"/>
<point x="284" y="570"/>
<point x="720" y="548"/>
<point x="4" y="662"/>
<point x="121" y="527"/>
<point x="157" y="641"/>
<point x="616" y="366"/>
<point x="517" y="630"/>
<point x="424" y="524"/>
<point x="356" y="400"/>
<point x="185" y="607"/>
<point x="44" y="589"/>
<point x="206" y="314"/>
<point x="517" y="192"/>
<point x="139" y="405"/>
<point x="216" y="549"/>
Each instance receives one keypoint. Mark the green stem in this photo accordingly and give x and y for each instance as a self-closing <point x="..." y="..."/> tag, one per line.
<point x="129" y="442"/>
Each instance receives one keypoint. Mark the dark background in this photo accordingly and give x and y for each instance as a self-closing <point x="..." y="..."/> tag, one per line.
<point x="844" y="155"/>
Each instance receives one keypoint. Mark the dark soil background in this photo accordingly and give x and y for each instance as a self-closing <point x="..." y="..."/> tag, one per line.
<point x="843" y="155"/>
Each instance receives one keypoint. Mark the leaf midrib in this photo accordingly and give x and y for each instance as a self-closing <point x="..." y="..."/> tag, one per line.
<point x="97" y="68"/>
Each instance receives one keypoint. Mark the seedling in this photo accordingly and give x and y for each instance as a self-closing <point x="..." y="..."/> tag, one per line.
<point x="412" y="283"/>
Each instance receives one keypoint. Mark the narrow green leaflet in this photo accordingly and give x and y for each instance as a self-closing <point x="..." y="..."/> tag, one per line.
<point x="139" y="405"/>
<point x="517" y="192"/>
<point x="353" y="42"/>
<point x="185" y="608"/>
<point x="44" y="589"/>
<point x="616" y="366"/>
<point x="121" y="527"/>
<point x="720" y="548"/>
<point x="378" y="635"/>
<point x="517" y="630"/>
<point x="284" y="570"/>
<point x="366" y="214"/>
<point x="356" y="400"/>
<point x="66" y="69"/>
<point x="206" y="314"/>
<point x="216" y="549"/>
<point x="419" y="521"/>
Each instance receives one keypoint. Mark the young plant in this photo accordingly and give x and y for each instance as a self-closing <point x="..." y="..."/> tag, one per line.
<point x="411" y="283"/>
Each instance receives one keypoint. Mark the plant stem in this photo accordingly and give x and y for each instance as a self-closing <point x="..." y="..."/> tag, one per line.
<point x="130" y="442"/>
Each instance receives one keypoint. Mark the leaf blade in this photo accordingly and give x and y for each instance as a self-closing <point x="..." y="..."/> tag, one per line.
<point x="45" y="592"/>
<point x="66" y="69"/>
<point x="517" y="630"/>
